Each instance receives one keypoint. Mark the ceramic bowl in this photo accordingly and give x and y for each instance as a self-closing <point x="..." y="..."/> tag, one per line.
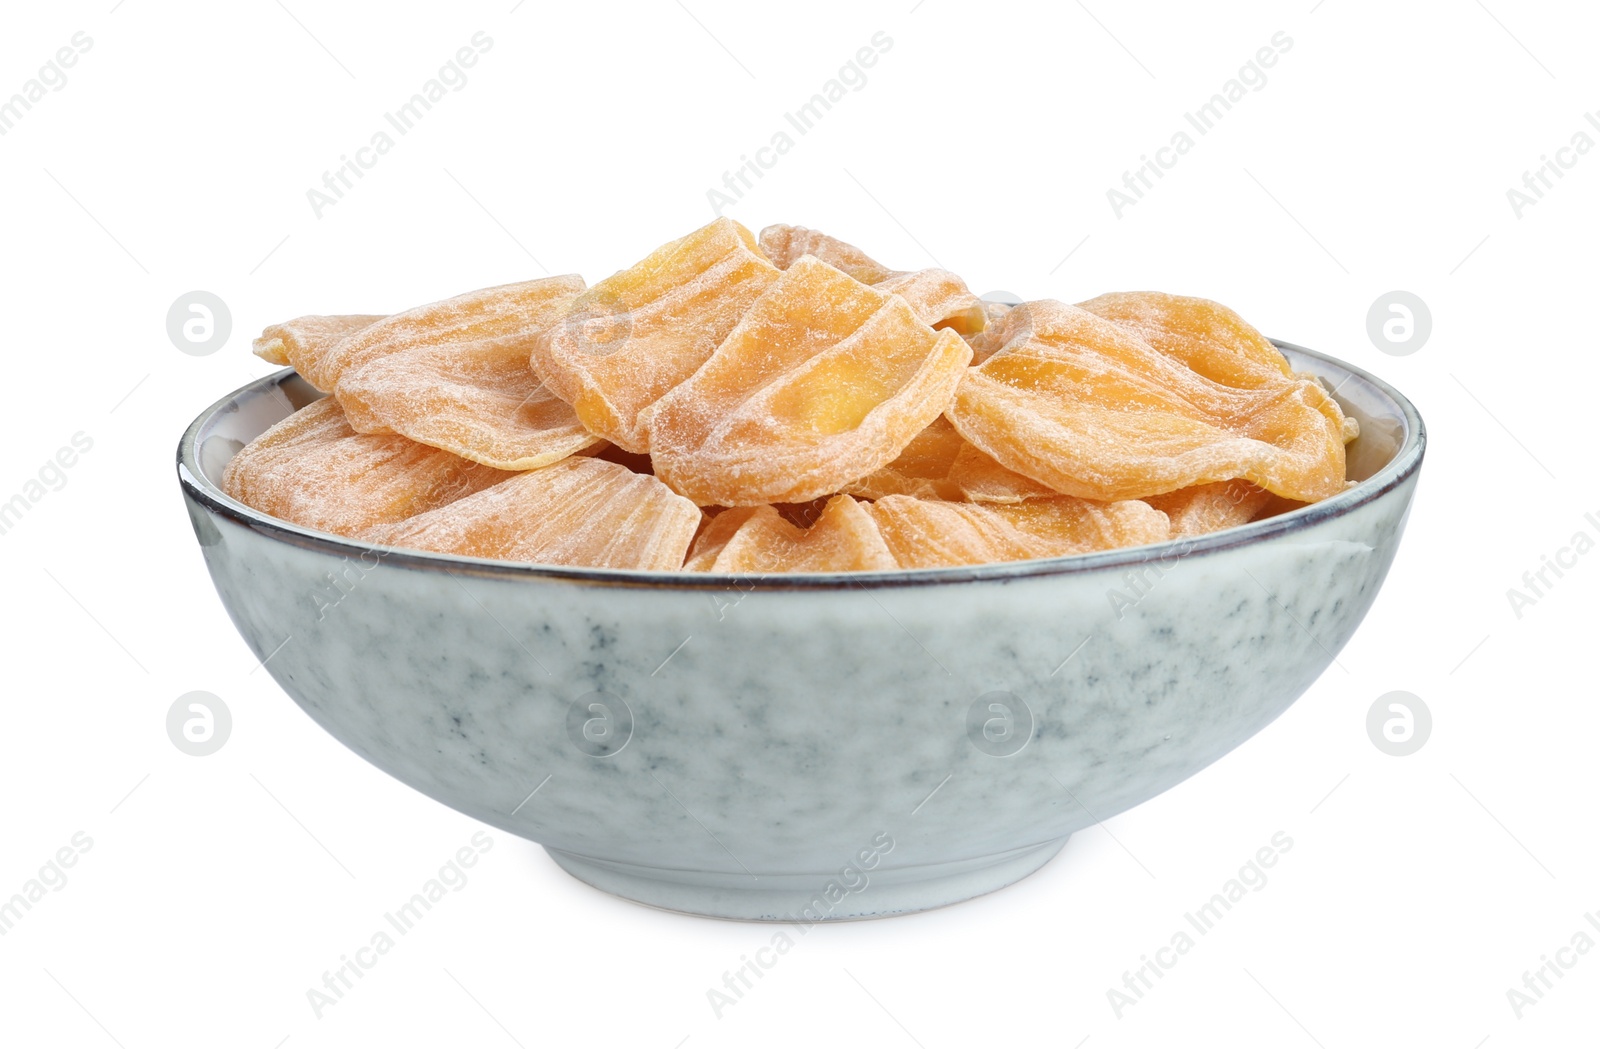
<point x="804" y="747"/>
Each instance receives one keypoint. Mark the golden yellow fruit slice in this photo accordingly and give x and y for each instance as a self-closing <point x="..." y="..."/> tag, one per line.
<point x="513" y="312"/>
<point x="579" y="511"/>
<point x="1213" y="341"/>
<point x="925" y="533"/>
<point x="1211" y="507"/>
<point x="479" y="400"/>
<point x="980" y="479"/>
<point x="786" y="245"/>
<point x="822" y="382"/>
<point x="922" y="469"/>
<point x="304" y="339"/>
<point x="1085" y="406"/>
<point x="314" y="470"/>
<point x="992" y="335"/>
<point x="628" y="340"/>
<point x="939" y="298"/>
<point x="1209" y="338"/>
<point x="843" y="538"/>
<point x="714" y="535"/>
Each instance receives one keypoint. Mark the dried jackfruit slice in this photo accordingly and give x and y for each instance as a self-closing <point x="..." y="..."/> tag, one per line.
<point x="991" y="336"/>
<point x="980" y="479"/>
<point x="939" y="298"/>
<point x="941" y="464"/>
<point x="624" y="343"/>
<point x="479" y="400"/>
<point x="922" y="469"/>
<point x="298" y="341"/>
<point x="995" y="312"/>
<point x="1209" y="338"/>
<point x="823" y="381"/>
<point x="925" y="533"/>
<point x="579" y="511"/>
<point x="786" y="245"/>
<point x="1211" y="507"/>
<point x="714" y="535"/>
<point x="1085" y="406"/>
<point x="513" y="312"/>
<point x="1213" y="341"/>
<point x="843" y="538"/>
<point x="1351" y="425"/>
<point x="312" y="469"/>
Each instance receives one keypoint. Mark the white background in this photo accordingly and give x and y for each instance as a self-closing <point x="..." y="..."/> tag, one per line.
<point x="1377" y="157"/>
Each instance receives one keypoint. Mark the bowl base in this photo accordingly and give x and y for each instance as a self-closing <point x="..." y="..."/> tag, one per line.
<point x="806" y="899"/>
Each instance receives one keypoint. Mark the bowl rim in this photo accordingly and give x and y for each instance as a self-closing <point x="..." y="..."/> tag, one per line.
<point x="1405" y="463"/>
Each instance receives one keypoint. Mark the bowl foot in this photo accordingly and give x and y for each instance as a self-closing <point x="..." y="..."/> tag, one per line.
<point x="808" y="898"/>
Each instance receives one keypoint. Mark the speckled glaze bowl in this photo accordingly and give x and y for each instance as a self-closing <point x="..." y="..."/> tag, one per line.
<point x="804" y="747"/>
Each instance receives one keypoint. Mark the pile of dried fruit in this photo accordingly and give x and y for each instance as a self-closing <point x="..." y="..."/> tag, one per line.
<point x="787" y="404"/>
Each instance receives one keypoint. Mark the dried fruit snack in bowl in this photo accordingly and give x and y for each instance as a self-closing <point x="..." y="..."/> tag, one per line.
<point x="1211" y="507"/>
<point x="620" y="346"/>
<point x="786" y="245"/>
<point x="299" y="341"/>
<point x="580" y="511"/>
<point x="823" y="381"/>
<point x="312" y="469"/>
<point x="479" y="400"/>
<point x="921" y="469"/>
<point x="715" y="531"/>
<point x="1087" y="407"/>
<point x="843" y="538"/>
<point x="927" y="533"/>
<point x="1211" y="339"/>
<point x="1207" y="337"/>
<point x="939" y="463"/>
<point x="980" y="479"/>
<point x="939" y="298"/>
<point x="509" y="311"/>
<point x="787" y="404"/>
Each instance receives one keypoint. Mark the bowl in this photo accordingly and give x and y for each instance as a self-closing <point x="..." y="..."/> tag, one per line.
<point x="808" y="747"/>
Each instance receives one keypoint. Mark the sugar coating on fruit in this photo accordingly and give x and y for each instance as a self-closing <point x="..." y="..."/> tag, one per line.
<point x="777" y="382"/>
<point x="1209" y="338"/>
<point x="991" y="336"/>
<point x="921" y="469"/>
<point x="1211" y="507"/>
<point x="714" y="535"/>
<point x="479" y="400"/>
<point x="939" y="298"/>
<point x="298" y="342"/>
<point x="623" y="344"/>
<point x="925" y="533"/>
<point x="579" y="511"/>
<point x="512" y="312"/>
<point x="823" y="381"/>
<point x="941" y="464"/>
<point x="312" y="469"/>
<point x="980" y="479"/>
<point x="843" y="538"/>
<point x="786" y="245"/>
<point x="1087" y="407"/>
<point x="1214" y="341"/>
